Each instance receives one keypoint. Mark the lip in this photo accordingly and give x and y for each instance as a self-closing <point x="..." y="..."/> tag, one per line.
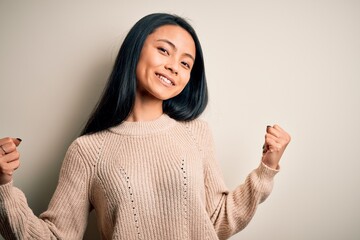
<point x="165" y="76"/>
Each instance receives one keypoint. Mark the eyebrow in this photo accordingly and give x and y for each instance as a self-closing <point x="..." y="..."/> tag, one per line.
<point x="174" y="47"/>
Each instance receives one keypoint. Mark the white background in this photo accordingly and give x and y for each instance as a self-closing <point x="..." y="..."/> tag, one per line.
<point x="295" y="63"/>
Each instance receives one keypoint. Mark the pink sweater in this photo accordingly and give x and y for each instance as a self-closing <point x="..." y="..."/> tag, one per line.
<point x="145" y="180"/>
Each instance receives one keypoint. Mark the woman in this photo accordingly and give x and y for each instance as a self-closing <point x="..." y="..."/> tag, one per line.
<point x="144" y="162"/>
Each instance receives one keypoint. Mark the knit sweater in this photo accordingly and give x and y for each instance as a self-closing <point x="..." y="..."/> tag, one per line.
<point x="145" y="180"/>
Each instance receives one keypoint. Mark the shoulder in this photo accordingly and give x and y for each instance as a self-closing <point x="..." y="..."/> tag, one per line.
<point x="88" y="146"/>
<point x="90" y="140"/>
<point x="199" y="129"/>
<point x="197" y="125"/>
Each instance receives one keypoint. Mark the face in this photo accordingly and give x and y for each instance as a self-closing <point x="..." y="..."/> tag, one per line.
<point x="165" y="63"/>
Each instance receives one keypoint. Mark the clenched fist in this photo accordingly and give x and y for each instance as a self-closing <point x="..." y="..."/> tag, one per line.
<point x="9" y="158"/>
<point x="276" y="140"/>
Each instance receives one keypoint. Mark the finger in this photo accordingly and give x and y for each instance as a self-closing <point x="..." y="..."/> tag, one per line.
<point x="8" y="147"/>
<point x="17" y="141"/>
<point x="271" y="143"/>
<point x="5" y="140"/>
<point x="266" y="145"/>
<point x="2" y="151"/>
<point x="273" y="131"/>
<point x="10" y="157"/>
<point x="277" y="127"/>
<point x="270" y="136"/>
<point x="281" y="141"/>
<point x="10" y="168"/>
<point x="284" y="136"/>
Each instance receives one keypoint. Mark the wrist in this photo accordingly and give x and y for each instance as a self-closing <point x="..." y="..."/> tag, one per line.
<point x="5" y="180"/>
<point x="271" y="165"/>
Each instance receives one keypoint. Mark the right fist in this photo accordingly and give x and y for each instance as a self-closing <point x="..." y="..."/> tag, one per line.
<point x="9" y="158"/>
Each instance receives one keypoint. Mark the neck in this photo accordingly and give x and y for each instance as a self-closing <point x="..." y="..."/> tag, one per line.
<point x="145" y="109"/>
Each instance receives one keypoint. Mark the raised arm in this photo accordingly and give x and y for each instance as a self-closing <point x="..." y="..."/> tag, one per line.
<point x="67" y="215"/>
<point x="231" y="211"/>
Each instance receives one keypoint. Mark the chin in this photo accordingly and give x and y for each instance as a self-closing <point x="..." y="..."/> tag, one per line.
<point x="163" y="97"/>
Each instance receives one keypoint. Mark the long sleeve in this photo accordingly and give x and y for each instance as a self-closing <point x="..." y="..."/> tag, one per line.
<point x="148" y="180"/>
<point x="230" y="211"/>
<point x="67" y="215"/>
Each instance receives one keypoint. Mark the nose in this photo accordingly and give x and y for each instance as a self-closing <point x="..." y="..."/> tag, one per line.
<point x="172" y="68"/>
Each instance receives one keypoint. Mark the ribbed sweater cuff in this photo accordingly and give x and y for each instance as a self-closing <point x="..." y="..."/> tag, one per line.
<point x="6" y="191"/>
<point x="266" y="172"/>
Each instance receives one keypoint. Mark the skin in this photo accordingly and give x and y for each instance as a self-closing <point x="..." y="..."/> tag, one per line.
<point x="168" y="52"/>
<point x="9" y="160"/>
<point x="276" y="141"/>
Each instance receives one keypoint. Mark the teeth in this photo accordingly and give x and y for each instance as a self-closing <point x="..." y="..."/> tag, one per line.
<point x="164" y="79"/>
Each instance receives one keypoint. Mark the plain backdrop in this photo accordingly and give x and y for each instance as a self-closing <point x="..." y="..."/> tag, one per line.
<point x="295" y="63"/>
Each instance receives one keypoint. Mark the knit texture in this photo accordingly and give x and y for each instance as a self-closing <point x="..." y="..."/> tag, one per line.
<point x="145" y="180"/>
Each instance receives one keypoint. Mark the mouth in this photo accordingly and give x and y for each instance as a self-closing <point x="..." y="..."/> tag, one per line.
<point x="165" y="80"/>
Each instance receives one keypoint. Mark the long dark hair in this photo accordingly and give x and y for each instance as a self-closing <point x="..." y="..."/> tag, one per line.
<point x="118" y="98"/>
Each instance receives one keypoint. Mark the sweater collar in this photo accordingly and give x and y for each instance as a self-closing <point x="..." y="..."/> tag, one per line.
<point x="164" y="122"/>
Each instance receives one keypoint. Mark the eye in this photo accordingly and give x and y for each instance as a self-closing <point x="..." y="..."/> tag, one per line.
<point x="186" y="65"/>
<point x="163" y="50"/>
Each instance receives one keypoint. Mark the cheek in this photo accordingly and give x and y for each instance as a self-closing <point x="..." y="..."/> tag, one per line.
<point x="142" y="69"/>
<point x="185" y="78"/>
<point x="184" y="81"/>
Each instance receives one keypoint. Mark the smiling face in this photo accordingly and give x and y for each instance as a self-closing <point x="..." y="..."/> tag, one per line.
<point x="165" y="63"/>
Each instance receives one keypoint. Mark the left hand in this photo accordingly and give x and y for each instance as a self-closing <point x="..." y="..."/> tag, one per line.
<point x="276" y="140"/>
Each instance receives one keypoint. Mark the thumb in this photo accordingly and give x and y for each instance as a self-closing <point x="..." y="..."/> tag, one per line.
<point x="17" y="141"/>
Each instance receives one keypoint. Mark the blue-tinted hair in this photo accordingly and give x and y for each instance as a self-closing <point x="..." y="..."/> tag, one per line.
<point x="118" y="98"/>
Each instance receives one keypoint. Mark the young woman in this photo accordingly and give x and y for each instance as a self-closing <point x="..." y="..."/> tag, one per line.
<point x="144" y="162"/>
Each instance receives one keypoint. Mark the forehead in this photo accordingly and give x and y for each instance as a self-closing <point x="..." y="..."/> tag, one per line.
<point x="182" y="40"/>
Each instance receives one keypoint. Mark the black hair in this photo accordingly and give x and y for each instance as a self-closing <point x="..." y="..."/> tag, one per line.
<point x="118" y="98"/>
